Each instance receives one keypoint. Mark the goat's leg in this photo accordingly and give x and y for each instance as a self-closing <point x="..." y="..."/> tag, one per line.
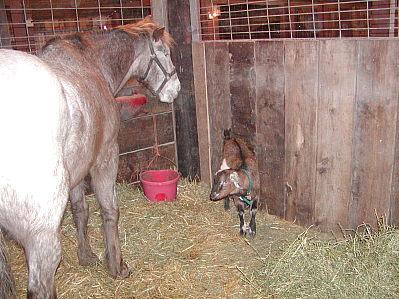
<point x="240" y="210"/>
<point x="227" y="203"/>
<point x="252" y="213"/>
<point x="103" y="177"/>
<point x="43" y="253"/>
<point x="80" y="212"/>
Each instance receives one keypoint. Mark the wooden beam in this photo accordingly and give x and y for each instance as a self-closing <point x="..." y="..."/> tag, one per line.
<point x="4" y="32"/>
<point x="159" y="11"/>
<point x="179" y="18"/>
<point x="269" y="69"/>
<point x="195" y="22"/>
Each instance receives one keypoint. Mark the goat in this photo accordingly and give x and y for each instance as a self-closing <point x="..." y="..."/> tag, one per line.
<point x="241" y="184"/>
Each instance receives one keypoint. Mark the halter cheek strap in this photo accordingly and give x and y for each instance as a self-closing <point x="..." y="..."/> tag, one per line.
<point x="153" y="58"/>
<point x="167" y="75"/>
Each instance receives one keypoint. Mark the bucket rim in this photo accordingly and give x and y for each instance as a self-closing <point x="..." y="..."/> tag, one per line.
<point x="174" y="180"/>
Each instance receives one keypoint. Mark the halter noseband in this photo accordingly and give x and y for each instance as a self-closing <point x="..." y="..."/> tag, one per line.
<point x="166" y="74"/>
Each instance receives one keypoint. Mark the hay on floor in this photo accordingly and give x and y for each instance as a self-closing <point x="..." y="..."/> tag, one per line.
<point x="191" y="248"/>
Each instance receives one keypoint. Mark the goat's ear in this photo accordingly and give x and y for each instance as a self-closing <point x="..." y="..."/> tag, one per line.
<point x="158" y="33"/>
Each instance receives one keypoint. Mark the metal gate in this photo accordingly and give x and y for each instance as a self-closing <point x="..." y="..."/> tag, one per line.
<point x="27" y="24"/>
<point x="270" y="19"/>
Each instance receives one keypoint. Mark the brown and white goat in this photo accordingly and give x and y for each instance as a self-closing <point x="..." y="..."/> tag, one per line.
<point x="241" y="184"/>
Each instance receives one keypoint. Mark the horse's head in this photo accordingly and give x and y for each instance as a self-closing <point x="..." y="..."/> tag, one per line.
<point x="157" y="71"/>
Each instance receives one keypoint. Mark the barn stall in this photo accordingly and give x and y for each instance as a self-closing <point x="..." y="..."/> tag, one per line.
<point x="317" y="99"/>
<point x="312" y="86"/>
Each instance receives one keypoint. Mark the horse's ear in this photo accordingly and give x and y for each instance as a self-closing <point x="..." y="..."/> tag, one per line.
<point x="148" y="18"/>
<point x="158" y="33"/>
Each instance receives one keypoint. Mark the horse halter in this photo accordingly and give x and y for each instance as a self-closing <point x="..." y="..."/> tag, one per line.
<point x="167" y="75"/>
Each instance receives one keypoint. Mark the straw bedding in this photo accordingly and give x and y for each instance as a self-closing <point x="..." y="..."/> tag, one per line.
<point x="191" y="248"/>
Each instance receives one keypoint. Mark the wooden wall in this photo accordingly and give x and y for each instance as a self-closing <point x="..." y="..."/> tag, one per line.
<point x="142" y="130"/>
<point x="322" y="116"/>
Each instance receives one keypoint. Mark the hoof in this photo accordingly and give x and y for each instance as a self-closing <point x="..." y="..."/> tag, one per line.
<point x="88" y="258"/>
<point x="125" y="271"/>
<point x="250" y="233"/>
<point x="122" y="273"/>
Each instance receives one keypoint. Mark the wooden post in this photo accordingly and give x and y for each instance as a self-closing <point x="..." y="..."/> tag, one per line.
<point x="179" y="20"/>
<point x="4" y="33"/>
<point x="160" y="12"/>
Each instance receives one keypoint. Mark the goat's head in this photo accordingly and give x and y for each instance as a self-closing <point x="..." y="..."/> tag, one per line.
<point x="225" y="183"/>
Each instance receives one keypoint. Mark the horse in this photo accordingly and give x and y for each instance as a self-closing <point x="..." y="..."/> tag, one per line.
<point x="58" y="123"/>
<point x="240" y="183"/>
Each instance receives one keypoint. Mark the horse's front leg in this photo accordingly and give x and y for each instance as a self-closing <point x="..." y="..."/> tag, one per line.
<point x="103" y="176"/>
<point x="80" y="212"/>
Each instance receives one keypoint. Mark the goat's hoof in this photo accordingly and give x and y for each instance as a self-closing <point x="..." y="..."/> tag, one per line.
<point x="251" y="233"/>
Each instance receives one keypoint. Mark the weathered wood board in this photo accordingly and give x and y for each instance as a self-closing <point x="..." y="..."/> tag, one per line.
<point x="336" y="100"/>
<point x="201" y="102"/>
<point x="269" y="68"/>
<point x="301" y="87"/>
<point x="242" y="90"/>
<point x="218" y="93"/>
<point x="375" y="130"/>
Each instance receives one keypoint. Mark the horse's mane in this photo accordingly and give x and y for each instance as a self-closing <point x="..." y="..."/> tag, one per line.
<point x="146" y="27"/>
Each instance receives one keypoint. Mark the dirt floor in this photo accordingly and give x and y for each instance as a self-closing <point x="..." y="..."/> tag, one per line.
<point x="189" y="248"/>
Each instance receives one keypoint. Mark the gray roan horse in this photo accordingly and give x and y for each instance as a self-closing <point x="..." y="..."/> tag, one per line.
<point x="59" y="122"/>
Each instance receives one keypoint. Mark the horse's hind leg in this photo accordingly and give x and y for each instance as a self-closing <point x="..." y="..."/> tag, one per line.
<point x="80" y="212"/>
<point x="43" y="253"/>
<point x="103" y="178"/>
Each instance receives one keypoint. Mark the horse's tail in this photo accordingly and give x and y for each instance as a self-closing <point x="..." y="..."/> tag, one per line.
<point x="7" y="286"/>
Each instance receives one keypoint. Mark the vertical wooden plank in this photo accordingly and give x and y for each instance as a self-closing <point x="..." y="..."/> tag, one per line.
<point x="159" y="12"/>
<point x="4" y="29"/>
<point x="394" y="204"/>
<point x="186" y="120"/>
<point x="301" y="76"/>
<point x="375" y="130"/>
<point x="337" y="86"/>
<point x="242" y="90"/>
<point x="217" y="74"/>
<point x="269" y="67"/>
<point x="201" y="102"/>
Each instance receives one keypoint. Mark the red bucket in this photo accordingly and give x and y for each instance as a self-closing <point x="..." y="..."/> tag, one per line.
<point x="160" y="185"/>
